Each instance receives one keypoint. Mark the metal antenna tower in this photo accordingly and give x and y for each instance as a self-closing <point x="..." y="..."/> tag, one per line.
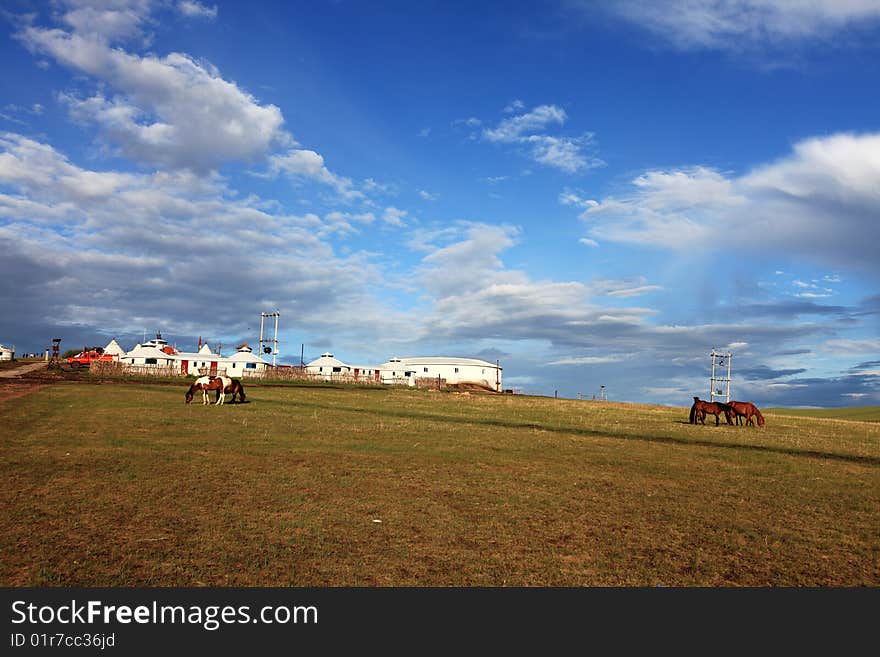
<point x="719" y="379"/>
<point x="274" y="341"/>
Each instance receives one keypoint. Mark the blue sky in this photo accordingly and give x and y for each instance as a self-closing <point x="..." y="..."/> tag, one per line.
<point x="593" y="193"/>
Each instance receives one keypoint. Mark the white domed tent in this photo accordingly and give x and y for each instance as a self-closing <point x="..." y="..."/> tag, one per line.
<point x="328" y="367"/>
<point x="113" y="349"/>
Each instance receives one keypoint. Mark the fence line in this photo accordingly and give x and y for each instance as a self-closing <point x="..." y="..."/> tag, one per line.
<point x="280" y="374"/>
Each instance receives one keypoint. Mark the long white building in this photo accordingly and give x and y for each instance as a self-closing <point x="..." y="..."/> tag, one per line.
<point x="406" y="371"/>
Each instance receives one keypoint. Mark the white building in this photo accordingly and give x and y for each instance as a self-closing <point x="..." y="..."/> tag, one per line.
<point x="330" y="368"/>
<point x="6" y="353"/>
<point x="197" y="362"/>
<point x="148" y="355"/>
<point x="113" y="349"/>
<point x="243" y="363"/>
<point x="157" y="353"/>
<point x="405" y="371"/>
<point x="454" y="371"/>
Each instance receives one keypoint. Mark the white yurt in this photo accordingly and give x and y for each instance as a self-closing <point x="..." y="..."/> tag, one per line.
<point x="327" y="366"/>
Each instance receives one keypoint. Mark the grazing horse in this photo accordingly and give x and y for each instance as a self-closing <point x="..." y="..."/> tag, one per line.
<point x="233" y="388"/>
<point x="747" y="410"/>
<point x="701" y="408"/>
<point x="206" y="383"/>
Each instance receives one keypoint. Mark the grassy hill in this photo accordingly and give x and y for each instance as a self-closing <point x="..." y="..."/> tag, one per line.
<point x="123" y="485"/>
<point x="862" y="414"/>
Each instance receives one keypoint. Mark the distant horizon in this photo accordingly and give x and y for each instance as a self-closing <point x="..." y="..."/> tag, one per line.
<point x="591" y="193"/>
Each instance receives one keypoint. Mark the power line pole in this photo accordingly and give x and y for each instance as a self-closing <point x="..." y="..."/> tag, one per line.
<point x="719" y="380"/>
<point x="274" y="341"/>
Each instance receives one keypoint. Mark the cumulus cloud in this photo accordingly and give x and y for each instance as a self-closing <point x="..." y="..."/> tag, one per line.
<point x="394" y="216"/>
<point x="119" y="251"/>
<point x="474" y="296"/>
<point x="568" y="154"/>
<point x="170" y="111"/>
<point x="307" y="164"/>
<point x="111" y="21"/>
<point x="818" y="203"/>
<point x="744" y="24"/>
<point x="193" y="9"/>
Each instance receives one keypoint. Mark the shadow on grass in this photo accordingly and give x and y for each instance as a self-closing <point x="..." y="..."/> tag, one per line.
<point x="581" y="431"/>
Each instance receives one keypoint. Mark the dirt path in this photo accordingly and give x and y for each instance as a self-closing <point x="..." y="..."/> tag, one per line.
<point x="27" y="368"/>
<point x="11" y="384"/>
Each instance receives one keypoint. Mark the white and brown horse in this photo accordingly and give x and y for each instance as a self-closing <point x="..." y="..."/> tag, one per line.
<point x="235" y="389"/>
<point x="207" y="383"/>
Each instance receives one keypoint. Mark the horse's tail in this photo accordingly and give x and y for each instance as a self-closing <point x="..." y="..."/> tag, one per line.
<point x="241" y="396"/>
<point x="693" y="418"/>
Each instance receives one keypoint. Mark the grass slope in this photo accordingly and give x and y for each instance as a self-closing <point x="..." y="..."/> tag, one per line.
<point x="860" y="413"/>
<point x="125" y="485"/>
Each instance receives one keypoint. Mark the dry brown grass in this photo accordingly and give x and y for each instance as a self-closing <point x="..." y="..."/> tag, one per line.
<point x="126" y="485"/>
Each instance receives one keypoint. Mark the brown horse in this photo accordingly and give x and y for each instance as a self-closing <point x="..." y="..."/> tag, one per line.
<point x="747" y="410"/>
<point x="235" y="389"/>
<point x="701" y="408"/>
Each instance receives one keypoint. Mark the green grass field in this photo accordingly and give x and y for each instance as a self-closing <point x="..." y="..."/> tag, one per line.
<point x="861" y="413"/>
<point x="122" y="485"/>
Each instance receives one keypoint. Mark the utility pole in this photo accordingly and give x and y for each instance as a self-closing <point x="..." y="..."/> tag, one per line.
<point x="274" y="341"/>
<point x="719" y="384"/>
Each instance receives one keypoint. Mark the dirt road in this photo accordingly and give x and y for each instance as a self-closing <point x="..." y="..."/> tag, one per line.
<point x="27" y="368"/>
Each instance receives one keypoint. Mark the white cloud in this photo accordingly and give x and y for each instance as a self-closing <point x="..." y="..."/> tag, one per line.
<point x="474" y="296"/>
<point x="303" y="163"/>
<point x="370" y="186"/>
<point x="514" y="106"/>
<point x="470" y="122"/>
<point x="567" y="154"/>
<point x="513" y="129"/>
<point x="345" y="223"/>
<point x="586" y="360"/>
<point x="108" y="21"/>
<point x="746" y="24"/>
<point x="394" y="216"/>
<point x="563" y="153"/>
<point x="635" y="291"/>
<point x="427" y="196"/>
<point x="117" y="251"/>
<point x="866" y="347"/>
<point x="821" y="203"/>
<point x="193" y="9"/>
<point x="469" y="263"/>
<point x="170" y="111"/>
